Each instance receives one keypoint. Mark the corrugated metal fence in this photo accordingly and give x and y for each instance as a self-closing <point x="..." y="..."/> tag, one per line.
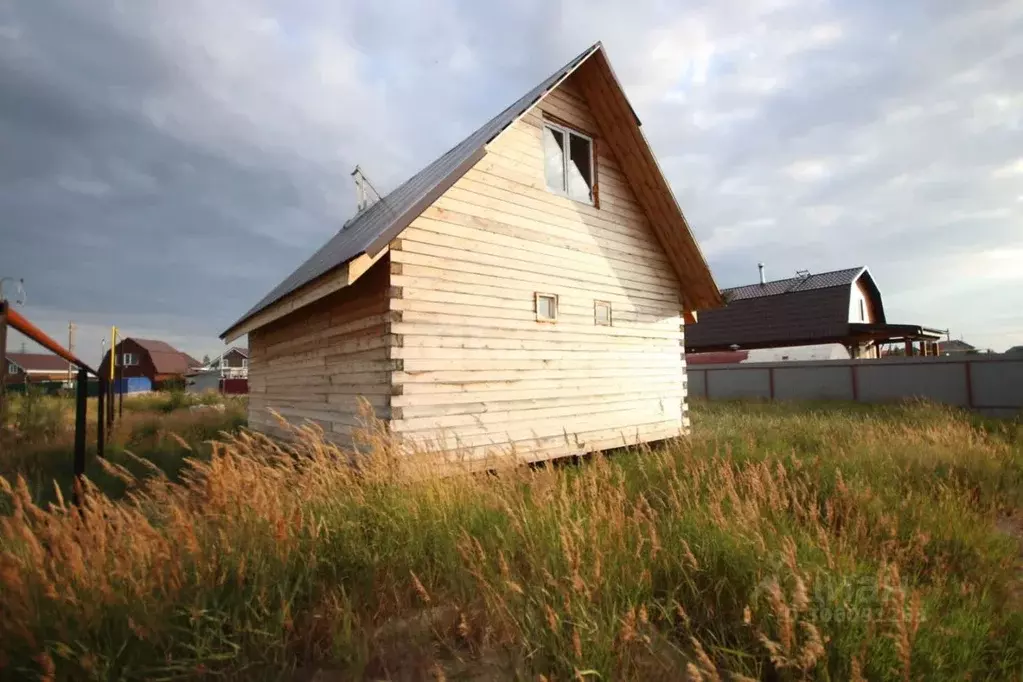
<point x="992" y="384"/>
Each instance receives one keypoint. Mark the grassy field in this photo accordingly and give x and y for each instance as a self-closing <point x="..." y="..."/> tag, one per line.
<point x="781" y="542"/>
<point x="38" y="443"/>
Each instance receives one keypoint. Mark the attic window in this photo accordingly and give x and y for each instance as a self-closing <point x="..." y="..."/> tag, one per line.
<point x="863" y="312"/>
<point x="602" y="313"/>
<point x="12" y="368"/>
<point x="546" y="307"/>
<point x="568" y="162"/>
<point x="129" y="360"/>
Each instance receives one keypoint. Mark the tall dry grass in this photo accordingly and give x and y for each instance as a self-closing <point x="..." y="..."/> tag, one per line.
<point x="778" y="543"/>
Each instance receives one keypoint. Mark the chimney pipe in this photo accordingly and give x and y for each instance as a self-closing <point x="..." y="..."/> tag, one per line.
<point x="762" y="279"/>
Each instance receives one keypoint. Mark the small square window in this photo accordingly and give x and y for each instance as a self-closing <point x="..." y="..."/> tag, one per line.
<point x="12" y="368"/>
<point x="546" y="307"/>
<point x="602" y="313"/>
<point x="129" y="360"/>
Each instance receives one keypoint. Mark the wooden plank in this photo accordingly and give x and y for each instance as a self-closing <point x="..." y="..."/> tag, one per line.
<point x="598" y="273"/>
<point x="434" y="319"/>
<point x="517" y="276"/>
<point x="505" y="403"/>
<point x="342" y="276"/>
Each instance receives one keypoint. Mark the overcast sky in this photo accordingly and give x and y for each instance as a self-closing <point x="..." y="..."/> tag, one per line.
<point x="164" y="164"/>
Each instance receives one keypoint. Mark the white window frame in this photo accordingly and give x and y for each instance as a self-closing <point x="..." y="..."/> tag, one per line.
<point x="12" y="368"/>
<point x="610" y="314"/>
<point x="245" y="363"/>
<point x="566" y="159"/>
<point x="863" y="311"/>
<point x="536" y="306"/>
<point x="129" y="356"/>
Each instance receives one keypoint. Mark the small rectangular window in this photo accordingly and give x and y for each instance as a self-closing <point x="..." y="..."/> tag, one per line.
<point x="546" y="307"/>
<point x="568" y="162"/>
<point x="602" y="313"/>
<point x="129" y="360"/>
<point x="12" y="368"/>
<point x="863" y="312"/>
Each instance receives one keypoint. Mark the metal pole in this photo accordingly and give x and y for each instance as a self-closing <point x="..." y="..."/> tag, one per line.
<point x="81" y="407"/>
<point x="101" y="416"/>
<point x="3" y="359"/>
<point x="110" y="406"/>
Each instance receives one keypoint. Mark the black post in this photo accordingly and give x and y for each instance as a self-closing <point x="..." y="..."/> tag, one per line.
<point x="81" y="407"/>
<point x="120" y="393"/>
<point x="101" y="417"/>
<point x="110" y="407"/>
<point x="3" y="364"/>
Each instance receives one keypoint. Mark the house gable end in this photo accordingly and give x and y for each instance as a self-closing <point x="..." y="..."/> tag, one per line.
<point x="627" y="140"/>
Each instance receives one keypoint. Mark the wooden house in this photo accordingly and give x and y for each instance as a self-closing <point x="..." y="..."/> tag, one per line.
<point x="35" y="368"/>
<point x="155" y="360"/>
<point x="525" y="292"/>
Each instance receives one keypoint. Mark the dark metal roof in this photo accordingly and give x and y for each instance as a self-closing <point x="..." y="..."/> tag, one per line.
<point x="823" y="280"/>
<point x="788" y="312"/>
<point x="371" y="230"/>
<point x="38" y="362"/>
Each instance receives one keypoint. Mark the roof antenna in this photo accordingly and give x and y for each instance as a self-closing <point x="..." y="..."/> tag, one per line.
<point x="365" y="194"/>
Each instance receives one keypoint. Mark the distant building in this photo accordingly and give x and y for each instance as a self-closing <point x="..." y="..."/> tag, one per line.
<point x="791" y="353"/>
<point x="841" y="307"/>
<point x="157" y="361"/>
<point x="227" y="373"/>
<point x="34" y="367"/>
<point x="1015" y="350"/>
<point x="954" y="347"/>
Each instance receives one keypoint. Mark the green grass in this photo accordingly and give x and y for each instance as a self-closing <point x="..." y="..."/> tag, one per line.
<point x="781" y="542"/>
<point x="159" y="427"/>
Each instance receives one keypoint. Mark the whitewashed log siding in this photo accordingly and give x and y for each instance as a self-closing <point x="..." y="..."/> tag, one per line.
<point x="477" y="371"/>
<point x="314" y="363"/>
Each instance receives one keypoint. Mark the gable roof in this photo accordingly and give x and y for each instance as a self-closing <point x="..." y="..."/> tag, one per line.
<point x="166" y="358"/>
<point x="372" y="229"/>
<point x="38" y="362"/>
<point x="823" y="280"/>
<point x="785" y="312"/>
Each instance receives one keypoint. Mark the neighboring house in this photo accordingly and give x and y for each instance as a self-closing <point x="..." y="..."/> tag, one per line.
<point x="721" y="357"/>
<point x="842" y="307"/>
<point x="526" y="291"/>
<point x="226" y="373"/>
<point x="34" y="367"/>
<point x="1015" y="350"/>
<point x="784" y="354"/>
<point x="818" y="353"/>
<point x="154" y="360"/>
<point x="232" y="364"/>
<point x="955" y="347"/>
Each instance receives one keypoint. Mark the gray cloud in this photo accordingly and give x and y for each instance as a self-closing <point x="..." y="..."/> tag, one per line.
<point x="163" y="165"/>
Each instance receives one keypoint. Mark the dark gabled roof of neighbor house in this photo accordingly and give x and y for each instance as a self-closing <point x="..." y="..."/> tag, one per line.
<point x="373" y="228"/>
<point x="38" y="362"/>
<point x="1015" y="350"/>
<point x="808" y="309"/>
<point x="166" y="358"/>
<point x="822" y="280"/>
